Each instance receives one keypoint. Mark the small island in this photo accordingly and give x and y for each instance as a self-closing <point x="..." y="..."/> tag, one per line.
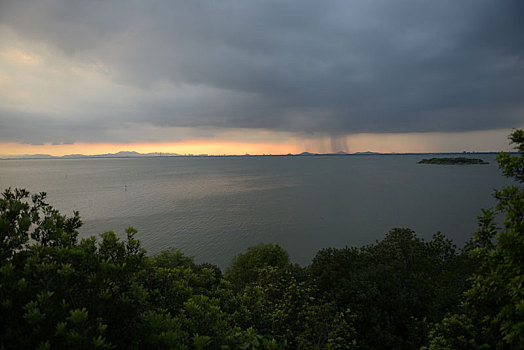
<point x="453" y="161"/>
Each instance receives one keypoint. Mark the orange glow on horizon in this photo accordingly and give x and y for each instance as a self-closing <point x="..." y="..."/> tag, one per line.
<point x="211" y="147"/>
<point x="476" y="141"/>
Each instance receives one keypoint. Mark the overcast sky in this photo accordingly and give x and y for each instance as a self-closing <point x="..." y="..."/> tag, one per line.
<point x="111" y="71"/>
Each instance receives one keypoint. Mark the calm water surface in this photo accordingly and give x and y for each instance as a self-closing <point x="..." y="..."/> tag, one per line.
<point x="213" y="208"/>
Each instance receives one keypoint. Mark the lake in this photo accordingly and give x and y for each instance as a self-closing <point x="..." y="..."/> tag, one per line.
<point x="214" y="207"/>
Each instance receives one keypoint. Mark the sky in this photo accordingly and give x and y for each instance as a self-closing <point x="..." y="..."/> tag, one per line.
<point x="259" y="76"/>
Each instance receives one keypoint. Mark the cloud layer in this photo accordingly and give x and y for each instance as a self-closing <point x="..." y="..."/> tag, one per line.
<point x="105" y="70"/>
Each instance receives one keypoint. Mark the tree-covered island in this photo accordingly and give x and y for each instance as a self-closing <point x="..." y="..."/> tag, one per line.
<point x="59" y="292"/>
<point x="453" y="161"/>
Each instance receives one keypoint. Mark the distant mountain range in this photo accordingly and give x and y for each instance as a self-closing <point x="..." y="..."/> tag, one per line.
<point x="132" y="154"/>
<point x="121" y="154"/>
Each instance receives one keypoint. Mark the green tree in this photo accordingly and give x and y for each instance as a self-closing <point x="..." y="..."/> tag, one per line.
<point x="395" y="286"/>
<point x="245" y="267"/>
<point x="287" y="308"/>
<point x="20" y="221"/>
<point x="492" y="314"/>
<point x="58" y="292"/>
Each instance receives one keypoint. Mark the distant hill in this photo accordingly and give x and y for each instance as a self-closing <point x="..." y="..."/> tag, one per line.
<point x="367" y="152"/>
<point x="121" y="154"/>
<point x="132" y="154"/>
<point x="34" y="156"/>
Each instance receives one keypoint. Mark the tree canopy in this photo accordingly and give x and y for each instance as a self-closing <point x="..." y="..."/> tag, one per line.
<point x="492" y="312"/>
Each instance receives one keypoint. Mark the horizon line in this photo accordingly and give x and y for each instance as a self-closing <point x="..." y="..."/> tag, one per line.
<point x="134" y="154"/>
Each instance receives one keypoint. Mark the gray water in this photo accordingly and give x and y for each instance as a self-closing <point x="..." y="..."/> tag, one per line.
<point x="213" y="208"/>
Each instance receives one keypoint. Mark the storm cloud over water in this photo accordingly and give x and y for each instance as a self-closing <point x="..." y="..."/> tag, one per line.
<point x="333" y="67"/>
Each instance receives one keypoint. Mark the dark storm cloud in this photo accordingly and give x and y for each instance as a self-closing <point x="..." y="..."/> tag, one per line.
<point x="326" y="66"/>
<point x="38" y="129"/>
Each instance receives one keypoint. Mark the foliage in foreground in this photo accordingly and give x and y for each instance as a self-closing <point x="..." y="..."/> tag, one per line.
<point x="492" y="313"/>
<point x="58" y="292"/>
<point x="400" y="293"/>
<point x="396" y="287"/>
<point x="108" y="293"/>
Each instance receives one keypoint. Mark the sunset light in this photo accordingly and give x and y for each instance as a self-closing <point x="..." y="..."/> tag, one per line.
<point x="276" y="144"/>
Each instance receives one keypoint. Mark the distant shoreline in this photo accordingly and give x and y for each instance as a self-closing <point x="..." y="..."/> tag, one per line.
<point x="134" y="155"/>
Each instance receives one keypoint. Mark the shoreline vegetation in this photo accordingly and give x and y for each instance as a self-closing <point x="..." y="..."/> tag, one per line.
<point x="453" y="161"/>
<point x="402" y="292"/>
